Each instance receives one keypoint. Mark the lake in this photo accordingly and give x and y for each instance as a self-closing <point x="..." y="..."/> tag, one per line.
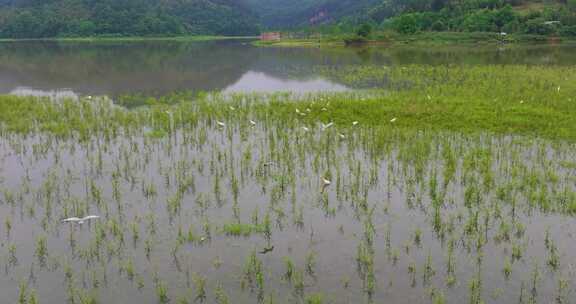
<point x="161" y="67"/>
<point x="286" y="198"/>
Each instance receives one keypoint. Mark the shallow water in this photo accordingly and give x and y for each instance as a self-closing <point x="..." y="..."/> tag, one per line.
<point x="162" y="67"/>
<point x="380" y="199"/>
<point x="409" y="217"/>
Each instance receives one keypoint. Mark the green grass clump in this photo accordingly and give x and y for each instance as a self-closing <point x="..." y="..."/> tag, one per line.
<point x="240" y="229"/>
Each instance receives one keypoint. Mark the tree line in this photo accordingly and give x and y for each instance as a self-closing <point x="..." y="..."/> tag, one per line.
<point x="79" y="18"/>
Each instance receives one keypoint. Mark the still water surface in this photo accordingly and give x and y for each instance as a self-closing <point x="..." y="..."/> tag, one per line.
<point x="64" y="69"/>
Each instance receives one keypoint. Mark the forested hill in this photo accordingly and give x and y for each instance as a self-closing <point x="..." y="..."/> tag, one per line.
<point x="282" y="14"/>
<point x="65" y="18"/>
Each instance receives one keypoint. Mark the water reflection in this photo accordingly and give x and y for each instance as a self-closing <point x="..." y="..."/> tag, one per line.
<point x="161" y="67"/>
<point x="262" y="82"/>
<point x="53" y="94"/>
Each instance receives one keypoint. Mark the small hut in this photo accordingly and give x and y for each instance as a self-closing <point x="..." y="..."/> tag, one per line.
<point x="270" y="36"/>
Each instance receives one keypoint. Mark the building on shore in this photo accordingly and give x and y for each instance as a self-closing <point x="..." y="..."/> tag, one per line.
<point x="270" y="36"/>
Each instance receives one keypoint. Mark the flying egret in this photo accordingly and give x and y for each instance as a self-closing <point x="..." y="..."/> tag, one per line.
<point x="221" y="124"/>
<point x="393" y="120"/>
<point x="324" y="127"/>
<point x="80" y="220"/>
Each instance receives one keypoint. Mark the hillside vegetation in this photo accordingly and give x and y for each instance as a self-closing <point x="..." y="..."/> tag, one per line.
<point x="546" y="18"/>
<point x="65" y="18"/>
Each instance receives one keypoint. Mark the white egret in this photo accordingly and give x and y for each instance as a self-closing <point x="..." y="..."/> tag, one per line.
<point x="253" y="123"/>
<point x="221" y="124"/>
<point x="342" y="136"/>
<point x="325" y="184"/>
<point x="80" y="220"/>
<point x="305" y="129"/>
<point x="393" y="120"/>
<point x="354" y="123"/>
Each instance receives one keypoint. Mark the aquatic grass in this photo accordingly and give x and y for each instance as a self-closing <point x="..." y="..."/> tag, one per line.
<point x="402" y="198"/>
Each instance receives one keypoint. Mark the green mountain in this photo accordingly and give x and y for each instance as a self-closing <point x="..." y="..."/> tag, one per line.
<point x="54" y="18"/>
<point x="280" y="14"/>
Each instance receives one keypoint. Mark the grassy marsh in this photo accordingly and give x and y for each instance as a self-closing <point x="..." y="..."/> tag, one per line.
<point x="450" y="184"/>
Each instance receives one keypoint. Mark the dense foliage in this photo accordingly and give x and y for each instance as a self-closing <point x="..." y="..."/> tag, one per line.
<point x="291" y="13"/>
<point x="555" y="17"/>
<point x="482" y="16"/>
<point x="65" y="18"/>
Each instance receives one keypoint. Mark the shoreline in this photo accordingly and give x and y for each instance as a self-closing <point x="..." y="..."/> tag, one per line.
<point x="131" y="39"/>
<point x="421" y="39"/>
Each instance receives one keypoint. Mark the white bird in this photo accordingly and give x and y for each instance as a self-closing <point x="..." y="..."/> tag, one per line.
<point x="354" y="123"/>
<point x="253" y="123"/>
<point x="558" y="89"/>
<point x="305" y="129"/>
<point x="325" y="184"/>
<point x="393" y="120"/>
<point x="80" y="220"/>
<point x="324" y="127"/>
<point x="221" y="124"/>
<point x="232" y="108"/>
<point x="297" y="111"/>
<point x="342" y="136"/>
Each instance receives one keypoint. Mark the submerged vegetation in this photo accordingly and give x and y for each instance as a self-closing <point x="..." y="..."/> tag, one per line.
<point x="450" y="184"/>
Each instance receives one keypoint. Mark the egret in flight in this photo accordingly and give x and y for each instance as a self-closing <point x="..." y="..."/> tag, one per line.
<point x="324" y="127"/>
<point x="80" y="220"/>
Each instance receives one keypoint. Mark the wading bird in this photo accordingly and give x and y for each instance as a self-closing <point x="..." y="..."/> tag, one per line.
<point x="80" y="221"/>
<point x="325" y="184"/>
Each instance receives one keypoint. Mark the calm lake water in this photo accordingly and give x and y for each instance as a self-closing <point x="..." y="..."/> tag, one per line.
<point x="161" y="67"/>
